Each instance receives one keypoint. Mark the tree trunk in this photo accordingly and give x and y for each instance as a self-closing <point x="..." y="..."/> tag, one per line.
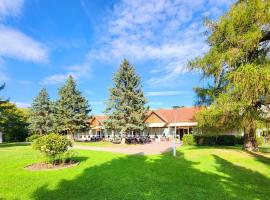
<point x="250" y="143"/>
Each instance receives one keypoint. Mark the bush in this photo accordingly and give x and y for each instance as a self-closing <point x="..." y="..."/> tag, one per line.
<point x="226" y="140"/>
<point x="260" y="140"/>
<point x="223" y="140"/>
<point x="239" y="140"/>
<point x="31" y="138"/>
<point x="188" y="139"/>
<point x="53" y="146"/>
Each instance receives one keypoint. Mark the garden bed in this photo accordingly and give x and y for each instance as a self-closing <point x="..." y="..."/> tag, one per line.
<point x="49" y="166"/>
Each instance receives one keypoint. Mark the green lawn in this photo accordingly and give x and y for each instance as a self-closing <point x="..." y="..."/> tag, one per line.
<point x="196" y="173"/>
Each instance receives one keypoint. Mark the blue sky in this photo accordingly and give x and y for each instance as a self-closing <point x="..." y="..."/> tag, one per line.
<point x="44" y="41"/>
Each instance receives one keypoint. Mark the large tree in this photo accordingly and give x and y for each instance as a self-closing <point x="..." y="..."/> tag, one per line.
<point x="71" y="110"/>
<point x="238" y="63"/>
<point x="41" y="114"/>
<point x="13" y="122"/>
<point x="126" y="107"/>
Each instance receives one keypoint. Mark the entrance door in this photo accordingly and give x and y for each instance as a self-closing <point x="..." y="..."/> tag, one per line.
<point x="180" y="132"/>
<point x="98" y="133"/>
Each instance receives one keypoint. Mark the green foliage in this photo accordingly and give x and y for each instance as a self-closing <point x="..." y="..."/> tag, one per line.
<point x="188" y="139"/>
<point x="222" y="140"/>
<point x="238" y="62"/>
<point x="126" y="107"/>
<point x="41" y="114"/>
<point x="260" y="140"/>
<point x="33" y="137"/>
<point x="13" y="123"/>
<point x="71" y="110"/>
<point x="53" y="146"/>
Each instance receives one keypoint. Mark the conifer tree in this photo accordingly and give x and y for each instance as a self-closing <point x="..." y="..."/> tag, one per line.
<point x="126" y="107"/>
<point x="41" y="114"/>
<point x="71" y="110"/>
<point x="238" y="62"/>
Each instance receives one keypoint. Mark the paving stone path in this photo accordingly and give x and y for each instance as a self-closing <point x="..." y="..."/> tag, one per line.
<point x="145" y="149"/>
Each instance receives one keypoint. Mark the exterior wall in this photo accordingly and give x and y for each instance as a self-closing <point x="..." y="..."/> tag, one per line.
<point x="157" y="133"/>
<point x="154" y="131"/>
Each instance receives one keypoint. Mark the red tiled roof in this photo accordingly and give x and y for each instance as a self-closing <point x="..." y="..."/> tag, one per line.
<point x="101" y="118"/>
<point x="185" y="114"/>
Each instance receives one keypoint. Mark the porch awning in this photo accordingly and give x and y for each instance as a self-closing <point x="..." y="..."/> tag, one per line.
<point x="97" y="127"/>
<point x="152" y="125"/>
<point x="184" y="124"/>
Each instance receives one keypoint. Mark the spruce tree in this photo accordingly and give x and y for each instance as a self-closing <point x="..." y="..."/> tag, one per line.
<point x="126" y="107"/>
<point x="41" y="114"/>
<point x="71" y="110"/>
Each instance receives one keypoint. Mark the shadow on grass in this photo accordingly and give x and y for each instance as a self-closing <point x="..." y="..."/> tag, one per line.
<point x="259" y="157"/>
<point x="15" y="144"/>
<point x="79" y="159"/>
<point x="265" y="149"/>
<point x="140" y="177"/>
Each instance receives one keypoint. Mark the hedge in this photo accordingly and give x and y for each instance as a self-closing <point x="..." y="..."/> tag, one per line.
<point x="223" y="140"/>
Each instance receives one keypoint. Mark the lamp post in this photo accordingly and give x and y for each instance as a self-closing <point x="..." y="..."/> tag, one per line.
<point x="174" y="135"/>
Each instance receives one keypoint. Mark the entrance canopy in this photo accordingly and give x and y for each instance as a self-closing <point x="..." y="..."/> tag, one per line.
<point x="158" y="125"/>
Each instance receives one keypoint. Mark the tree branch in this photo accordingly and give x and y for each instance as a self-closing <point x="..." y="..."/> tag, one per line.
<point x="265" y="37"/>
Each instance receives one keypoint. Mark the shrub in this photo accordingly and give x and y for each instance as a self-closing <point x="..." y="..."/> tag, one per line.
<point x="31" y="138"/>
<point x="223" y="140"/>
<point x="239" y="140"/>
<point x="53" y="146"/>
<point x="188" y="139"/>
<point x="260" y="140"/>
<point x="226" y="140"/>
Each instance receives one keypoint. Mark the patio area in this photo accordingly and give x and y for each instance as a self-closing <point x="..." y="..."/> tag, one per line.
<point x="141" y="149"/>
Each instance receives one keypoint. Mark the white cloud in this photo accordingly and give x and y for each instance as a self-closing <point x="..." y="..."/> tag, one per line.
<point x="77" y="71"/>
<point x="165" y="31"/>
<point x="167" y="93"/>
<point x="10" y="8"/>
<point x="15" y="44"/>
<point x="22" y="105"/>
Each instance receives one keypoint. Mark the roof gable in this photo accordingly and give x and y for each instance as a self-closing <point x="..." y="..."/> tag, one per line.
<point x="153" y="117"/>
<point x="98" y="120"/>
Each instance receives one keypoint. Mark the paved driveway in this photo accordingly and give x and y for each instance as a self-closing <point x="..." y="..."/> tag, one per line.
<point x="143" y="149"/>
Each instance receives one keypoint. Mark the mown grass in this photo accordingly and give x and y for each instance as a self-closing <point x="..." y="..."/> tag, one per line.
<point x="196" y="173"/>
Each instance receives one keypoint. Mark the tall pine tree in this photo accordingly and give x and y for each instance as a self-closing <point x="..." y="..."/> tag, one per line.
<point x="126" y="107"/>
<point x="41" y="114"/>
<point x="71" y="109"/>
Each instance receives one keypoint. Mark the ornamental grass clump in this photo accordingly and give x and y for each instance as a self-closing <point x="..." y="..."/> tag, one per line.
<point x="55" y="147"/>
